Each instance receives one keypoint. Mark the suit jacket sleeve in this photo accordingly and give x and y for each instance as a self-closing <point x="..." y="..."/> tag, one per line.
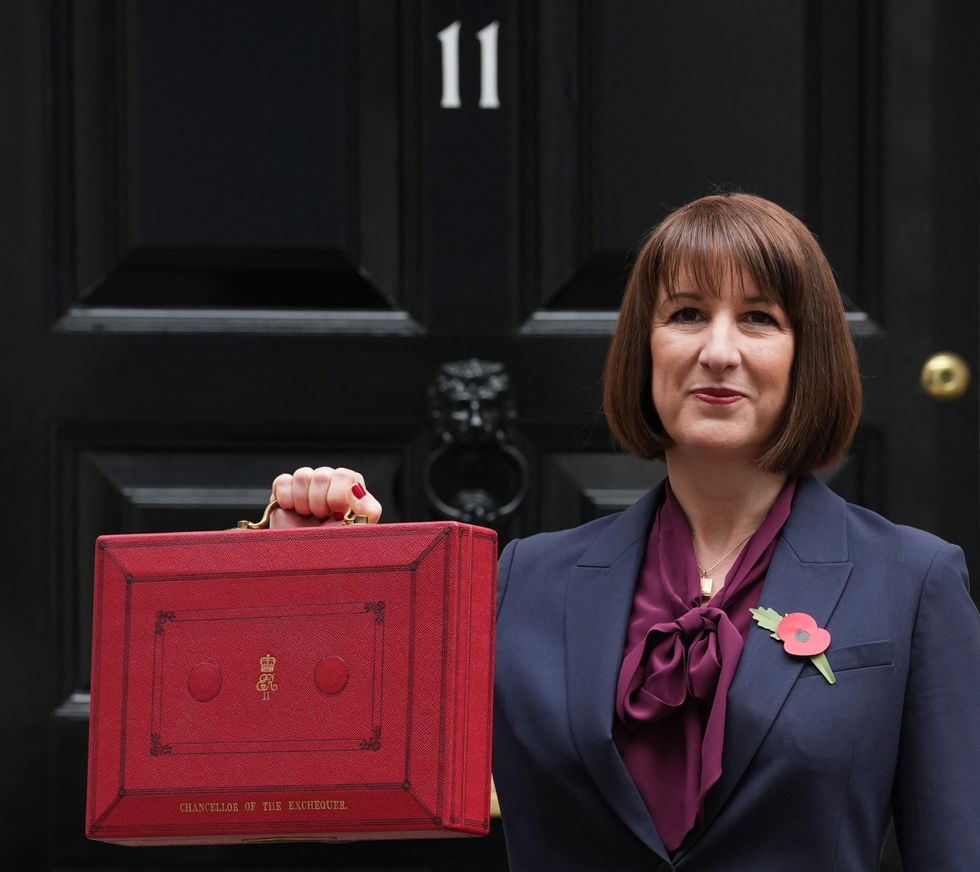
<point x="503" y="572"/>
<point x="936" y="800"/>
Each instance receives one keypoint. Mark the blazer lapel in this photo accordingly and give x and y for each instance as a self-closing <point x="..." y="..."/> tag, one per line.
<point x="597" y="609"/>
<point x="808" y="573"/>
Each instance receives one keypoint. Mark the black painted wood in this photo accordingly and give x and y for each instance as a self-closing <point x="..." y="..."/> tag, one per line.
<point x="235" y="160"/>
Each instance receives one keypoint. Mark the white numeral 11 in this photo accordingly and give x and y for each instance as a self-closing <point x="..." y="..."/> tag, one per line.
<point x="449" y="37"/>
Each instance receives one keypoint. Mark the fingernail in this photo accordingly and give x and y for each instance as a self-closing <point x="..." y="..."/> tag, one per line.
<point x="338" y="516"/>
<point x="358" y="490"/>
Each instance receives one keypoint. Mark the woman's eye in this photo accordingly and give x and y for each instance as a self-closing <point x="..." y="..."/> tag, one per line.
<point x="686" y="316"/>
<point x="760" y="318"/>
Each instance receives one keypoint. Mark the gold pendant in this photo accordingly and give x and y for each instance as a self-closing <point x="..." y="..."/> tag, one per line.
<point x="706" y="584"/>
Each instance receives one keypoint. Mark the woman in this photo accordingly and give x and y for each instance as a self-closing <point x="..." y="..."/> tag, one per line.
<point x="644" y="720"/>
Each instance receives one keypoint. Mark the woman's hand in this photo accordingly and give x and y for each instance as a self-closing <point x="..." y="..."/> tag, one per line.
<point x="312" y="497"/>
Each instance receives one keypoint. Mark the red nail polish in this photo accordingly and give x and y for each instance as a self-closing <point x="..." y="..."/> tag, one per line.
<point x="338" y="516"/>
<point x="358" y="490"/>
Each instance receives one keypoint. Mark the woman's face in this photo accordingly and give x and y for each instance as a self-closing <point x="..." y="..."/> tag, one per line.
<point x="721" y="367"/>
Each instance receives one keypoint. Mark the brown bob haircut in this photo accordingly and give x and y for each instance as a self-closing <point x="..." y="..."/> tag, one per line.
<point x="710" y="239"/>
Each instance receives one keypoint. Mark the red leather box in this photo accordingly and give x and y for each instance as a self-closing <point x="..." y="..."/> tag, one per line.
<point x="320" y="683"/>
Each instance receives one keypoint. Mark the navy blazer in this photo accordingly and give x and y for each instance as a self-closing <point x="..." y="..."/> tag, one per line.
<point x="810" y="771"/>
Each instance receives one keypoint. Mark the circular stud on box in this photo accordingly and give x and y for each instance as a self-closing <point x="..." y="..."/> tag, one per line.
<point x="331" y="675"/>
<point x="204" y="681"/>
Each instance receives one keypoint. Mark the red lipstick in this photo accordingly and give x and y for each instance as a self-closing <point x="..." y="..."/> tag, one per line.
<point x="717" y="396"/>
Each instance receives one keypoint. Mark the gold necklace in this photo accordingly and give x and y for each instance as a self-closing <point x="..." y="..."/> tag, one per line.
<point x="706" y="581"/>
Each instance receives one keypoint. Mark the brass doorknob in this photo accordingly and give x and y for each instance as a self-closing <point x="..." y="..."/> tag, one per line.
<point x="945" y="376"/>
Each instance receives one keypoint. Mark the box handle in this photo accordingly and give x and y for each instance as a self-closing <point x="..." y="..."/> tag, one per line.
<point x="263" y="522"/>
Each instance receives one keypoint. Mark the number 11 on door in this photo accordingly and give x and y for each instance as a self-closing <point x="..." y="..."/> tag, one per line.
<point x="449" y="37"/>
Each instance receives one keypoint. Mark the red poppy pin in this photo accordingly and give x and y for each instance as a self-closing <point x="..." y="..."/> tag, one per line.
<point x="800" y="635"/>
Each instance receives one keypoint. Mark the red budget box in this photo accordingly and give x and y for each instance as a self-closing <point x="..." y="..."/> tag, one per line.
<point x="320" y="683"/>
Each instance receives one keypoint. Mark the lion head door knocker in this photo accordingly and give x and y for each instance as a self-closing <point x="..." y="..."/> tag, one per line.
<point x="474" y="472"/>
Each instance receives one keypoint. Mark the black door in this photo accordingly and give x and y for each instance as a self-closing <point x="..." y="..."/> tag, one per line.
<point x="241" y="237"/>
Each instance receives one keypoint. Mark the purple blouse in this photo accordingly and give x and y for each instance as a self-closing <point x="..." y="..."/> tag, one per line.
<point x="679" y="662"/>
